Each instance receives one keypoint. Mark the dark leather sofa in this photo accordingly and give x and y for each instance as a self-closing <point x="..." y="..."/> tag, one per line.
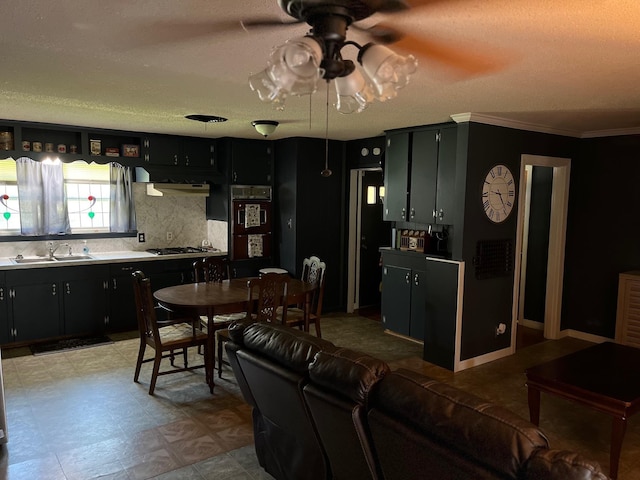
<point x="323" y="412"/>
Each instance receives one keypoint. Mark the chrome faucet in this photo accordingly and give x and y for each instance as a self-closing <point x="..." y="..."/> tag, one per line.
<point x="53" y="248"/>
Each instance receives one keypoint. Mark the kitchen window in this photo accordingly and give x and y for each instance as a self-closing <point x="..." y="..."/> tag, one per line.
<point x="88" y="191"/>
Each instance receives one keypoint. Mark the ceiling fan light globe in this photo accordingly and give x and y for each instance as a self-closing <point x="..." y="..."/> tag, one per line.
<point x="387" y="70"/>
<point x="354" y="93"/>
<point x="294" y="66"/>
<point x="268" y="91"/>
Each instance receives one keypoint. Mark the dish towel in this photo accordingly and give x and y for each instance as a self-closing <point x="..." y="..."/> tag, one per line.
<point x="251" y="215"/>
<point x="254" y="247"/>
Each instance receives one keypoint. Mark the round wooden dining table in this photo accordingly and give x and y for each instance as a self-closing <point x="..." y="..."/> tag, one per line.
<point x="222" y="298"/>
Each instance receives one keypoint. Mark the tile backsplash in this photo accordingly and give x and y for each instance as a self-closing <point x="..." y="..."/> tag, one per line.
<point x="183" y="216"/>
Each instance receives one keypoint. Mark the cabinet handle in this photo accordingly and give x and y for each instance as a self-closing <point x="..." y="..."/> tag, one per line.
<point x="146" y="157"/>
<point x="54" y="292"/>
<point x="235" y="177"/>
<point x="434" y="214"/>
<point x="68" y="287"/>
<point x="12" y="293"/>
<point x="404" y="212"/>
<point x="441" y="214"/>
<point x="407" y="278"/>
<point x="413" y="213"/>
<point x="126" y="269"/>
<point x="146" y="143"/>
<point x="105" y="285"/>
<point x="416" y="279"/>
<point x="186" y="159"/>
<point x="106" y="320"/>
<point x="1" y="294"/>
<point x="175" y="159"/>
<point x="115" y="284"/>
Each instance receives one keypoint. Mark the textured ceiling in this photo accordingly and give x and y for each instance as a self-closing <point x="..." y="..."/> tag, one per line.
<point x="142" y="65"/>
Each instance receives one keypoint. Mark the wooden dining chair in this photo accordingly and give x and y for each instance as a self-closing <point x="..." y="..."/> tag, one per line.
<point x="313" y="271"/>
<point x="216" y="269"/>
<point x="211" y="269"/>
<point x="269" y="292"/>
<point x="165" y="338"/>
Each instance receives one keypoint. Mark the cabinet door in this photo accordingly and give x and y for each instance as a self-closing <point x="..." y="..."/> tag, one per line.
<point x="441" y="286"/>
<point x="122" y="305"/>
<point x="84" y="294"/>
<point x="418" y="304"/>
<point x="35" y="310"/>
<point x="446" y="185"/>
<point x="5" y="326"/>
<point x="396" y="171"/>
<point x="198" y="152"/>
<point x="251" y="162"/>
<point x="396" y="299"/>
<point x="424" y="172"/>
<point x="161" y="149"/>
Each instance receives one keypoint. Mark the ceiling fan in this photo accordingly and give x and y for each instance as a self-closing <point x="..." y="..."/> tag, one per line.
<point x="330" y="20"/>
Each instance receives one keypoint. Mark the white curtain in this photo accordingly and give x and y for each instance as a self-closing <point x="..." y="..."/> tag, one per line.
<point x="43" y="203"/>
<point x="122" y="210"/>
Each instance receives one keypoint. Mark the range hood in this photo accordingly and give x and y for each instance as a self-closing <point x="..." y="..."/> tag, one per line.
<point x="178" y="189"/>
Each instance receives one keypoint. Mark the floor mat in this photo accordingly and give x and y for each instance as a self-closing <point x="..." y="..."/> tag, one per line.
<point x="69" y="344"/>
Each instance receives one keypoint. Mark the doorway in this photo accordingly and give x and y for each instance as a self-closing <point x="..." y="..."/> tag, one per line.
<point x="367" y="233"/>
<point x="540" y="239"/>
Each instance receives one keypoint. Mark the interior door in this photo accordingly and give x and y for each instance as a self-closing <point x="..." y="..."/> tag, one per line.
<point x="374" y="233"/>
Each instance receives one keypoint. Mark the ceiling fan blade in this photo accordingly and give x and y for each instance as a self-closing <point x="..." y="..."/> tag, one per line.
<point x="175" y="31"/>
<point x="461" y="61"/>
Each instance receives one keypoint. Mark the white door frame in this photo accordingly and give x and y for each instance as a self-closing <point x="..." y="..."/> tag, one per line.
<point x="353" y="265"/>
<point x="557" y="240"/>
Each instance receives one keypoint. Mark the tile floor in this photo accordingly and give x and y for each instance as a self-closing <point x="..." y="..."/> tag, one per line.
<point x="78" y="415"/>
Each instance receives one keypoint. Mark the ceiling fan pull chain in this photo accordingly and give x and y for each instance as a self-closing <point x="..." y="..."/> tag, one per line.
<point x="326" y="172"/>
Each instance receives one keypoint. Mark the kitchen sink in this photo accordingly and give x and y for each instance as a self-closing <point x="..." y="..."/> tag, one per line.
<point x="57" y="258"/>
<point x="64" y="258"/>
<point x="32" y="260"/>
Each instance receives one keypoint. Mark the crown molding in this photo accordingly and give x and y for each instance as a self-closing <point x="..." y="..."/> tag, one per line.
<point x="532" y="127"/>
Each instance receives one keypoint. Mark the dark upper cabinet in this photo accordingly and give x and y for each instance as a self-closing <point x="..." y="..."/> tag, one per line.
<point x="250" y="162"/>
<point x="420" y="171"/>
<point x="179" y="151"/>
<point x="396" y="175"/>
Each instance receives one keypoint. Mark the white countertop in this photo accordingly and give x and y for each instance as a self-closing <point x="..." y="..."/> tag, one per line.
<point x="104" y="257"/>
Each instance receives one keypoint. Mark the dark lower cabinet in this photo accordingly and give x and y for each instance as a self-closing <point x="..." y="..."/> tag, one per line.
<point x="33" y="304"/>
<point x="84" y="299"/>
<point x="163" y="273"/>
<point x="4" y="317"/>
<point x="37" y="304"/>
<point x="419" y="300"/>
<point x="403" y="300"/>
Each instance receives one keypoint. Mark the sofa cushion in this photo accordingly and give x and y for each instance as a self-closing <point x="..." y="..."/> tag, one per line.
<point x="561" y="464"/>
<point x="347" y="373"/>
<point x="286" y="346"/>
<point x="473" y="429"/>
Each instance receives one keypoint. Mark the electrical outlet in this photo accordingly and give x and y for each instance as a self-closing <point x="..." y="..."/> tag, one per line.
<point x="501" y="329"/>
<point x="169" y="236"/>
<point x="141" y="237"/>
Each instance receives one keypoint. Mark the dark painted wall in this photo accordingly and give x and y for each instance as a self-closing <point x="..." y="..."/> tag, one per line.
<point x="488" y="302"/>
<point x="603" y="231"/>
<point x="315" y="206"/>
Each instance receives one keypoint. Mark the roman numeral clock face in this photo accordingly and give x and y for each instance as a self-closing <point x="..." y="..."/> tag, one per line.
<point x="498" y="193"/>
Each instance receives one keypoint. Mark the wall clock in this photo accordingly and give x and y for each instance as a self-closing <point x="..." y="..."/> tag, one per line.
<point x="498" y="193"/>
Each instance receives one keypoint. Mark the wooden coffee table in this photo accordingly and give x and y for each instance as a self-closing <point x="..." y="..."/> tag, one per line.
<point x="603" y="377"/>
